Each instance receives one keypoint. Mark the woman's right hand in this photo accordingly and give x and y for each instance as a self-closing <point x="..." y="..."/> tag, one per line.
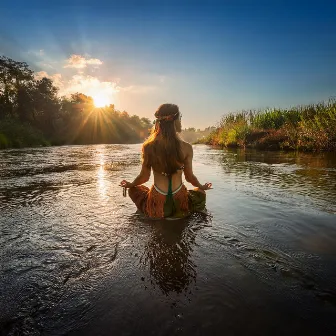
<point x="126" y="184"/>
<point x="206" y="186"/>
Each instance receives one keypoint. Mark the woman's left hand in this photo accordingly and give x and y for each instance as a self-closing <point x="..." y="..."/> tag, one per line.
<point x="126" y="184"/>
<point x="206" y="186"/>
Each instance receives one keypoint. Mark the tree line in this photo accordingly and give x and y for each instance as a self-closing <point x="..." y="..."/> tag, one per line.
<point x="193" y="135"/>
<point x="33" y="113"/>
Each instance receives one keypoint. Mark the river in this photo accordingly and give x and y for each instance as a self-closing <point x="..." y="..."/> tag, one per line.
<point x="77" y="259"/>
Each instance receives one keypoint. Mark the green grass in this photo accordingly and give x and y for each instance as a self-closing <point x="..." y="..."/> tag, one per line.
<point x="310" y="127"/>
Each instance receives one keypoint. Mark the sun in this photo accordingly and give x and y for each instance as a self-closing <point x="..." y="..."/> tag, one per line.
<point x="101" y="100"/>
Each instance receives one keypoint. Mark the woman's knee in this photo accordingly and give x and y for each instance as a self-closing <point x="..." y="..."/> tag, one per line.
<point x="199" y="190"/>
<point x="137" y="191"/>
<point x="132" y="192"/>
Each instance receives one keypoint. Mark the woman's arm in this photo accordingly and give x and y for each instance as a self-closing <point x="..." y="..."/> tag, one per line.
<point x="188" y="170"/>
<point x="143" y="176"/>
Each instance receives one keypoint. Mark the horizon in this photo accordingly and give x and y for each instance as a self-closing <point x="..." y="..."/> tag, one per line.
<point x="213" y="57"/>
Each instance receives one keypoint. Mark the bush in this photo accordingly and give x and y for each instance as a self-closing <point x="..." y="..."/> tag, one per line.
<point x="3" y="141"/>
<point x="311" y="127"/>
<point x="18" y="135"/>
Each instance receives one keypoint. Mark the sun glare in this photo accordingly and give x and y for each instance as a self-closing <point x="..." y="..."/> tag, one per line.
<point x="101" y="100"/>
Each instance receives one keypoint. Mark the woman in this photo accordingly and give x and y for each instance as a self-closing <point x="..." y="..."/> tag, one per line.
<point x="168" y="156"/>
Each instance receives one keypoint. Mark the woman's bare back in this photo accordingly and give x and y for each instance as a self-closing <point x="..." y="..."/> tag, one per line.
<point x="162" y="181"/>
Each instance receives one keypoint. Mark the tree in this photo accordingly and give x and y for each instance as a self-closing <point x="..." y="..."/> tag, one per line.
<point x="15" y="80"/>
<point x="46" y="103"/>
<point x="74" y="119"/>
<point x="81" y="98"/>
<point x="146" y="123"/>
<point x="25" y="102"/>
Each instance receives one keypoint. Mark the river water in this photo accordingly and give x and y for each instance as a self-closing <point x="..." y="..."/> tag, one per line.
<point x="77" y="259"/>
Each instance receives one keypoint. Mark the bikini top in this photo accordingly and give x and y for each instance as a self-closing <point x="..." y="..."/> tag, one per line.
<point x="167" y="175"/>
<point x="170" y="183"/>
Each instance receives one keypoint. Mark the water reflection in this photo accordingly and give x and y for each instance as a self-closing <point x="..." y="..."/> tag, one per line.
<point x="101" y="174"/>
<point x="168" y="253"/>
<point x="66" y="252"/>
<point x="313" y="160"/>
<point x="102" y="187"/>
<point x="311" y="175"/>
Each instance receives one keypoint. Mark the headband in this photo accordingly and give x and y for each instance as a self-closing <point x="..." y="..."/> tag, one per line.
<point x="167" y="118"/>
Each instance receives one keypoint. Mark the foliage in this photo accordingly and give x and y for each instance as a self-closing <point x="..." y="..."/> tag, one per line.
<point x="311" y="127"/>
<point x="31" y="111"/>
<point x="17" y="134"/>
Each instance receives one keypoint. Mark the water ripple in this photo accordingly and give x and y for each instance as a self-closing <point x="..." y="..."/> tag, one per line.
<point x="77" y="259"/>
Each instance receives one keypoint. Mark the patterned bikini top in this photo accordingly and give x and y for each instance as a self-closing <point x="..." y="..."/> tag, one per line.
<point x="170" y="184"/>
<point x="167" y="175"/>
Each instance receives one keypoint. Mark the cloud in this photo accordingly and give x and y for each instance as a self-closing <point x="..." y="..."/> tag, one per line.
<point x="90" y="86"/>
<point x="80" y="83"/>
<point x="41" y="74"/>
<point x="80" y="62"/>
<point x="56" y="78"/>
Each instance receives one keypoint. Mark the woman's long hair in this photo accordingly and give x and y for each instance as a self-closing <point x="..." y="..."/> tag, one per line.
<point x="162" y="150"/>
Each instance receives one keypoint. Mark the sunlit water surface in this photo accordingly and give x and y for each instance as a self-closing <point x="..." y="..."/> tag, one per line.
<point x="76" y="258"/>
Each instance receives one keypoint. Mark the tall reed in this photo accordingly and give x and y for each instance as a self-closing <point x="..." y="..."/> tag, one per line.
<point x="305" y="127"/>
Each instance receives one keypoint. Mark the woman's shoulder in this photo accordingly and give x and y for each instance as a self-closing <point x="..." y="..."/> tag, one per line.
<point x="185" y="144"/>
<point x="186" y="147"/>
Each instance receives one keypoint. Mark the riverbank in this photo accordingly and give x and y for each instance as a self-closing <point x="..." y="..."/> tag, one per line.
<point x="306" y="128"/>
<point x="17" y="135"/>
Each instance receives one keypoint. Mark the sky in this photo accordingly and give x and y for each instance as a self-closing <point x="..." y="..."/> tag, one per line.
<point x="208" y="57"/>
